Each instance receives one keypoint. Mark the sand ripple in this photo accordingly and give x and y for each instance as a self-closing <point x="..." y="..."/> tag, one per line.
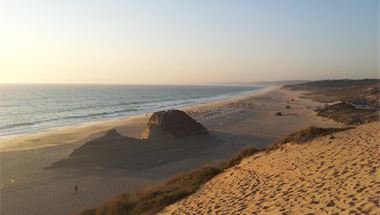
<point x="331" y="175"/>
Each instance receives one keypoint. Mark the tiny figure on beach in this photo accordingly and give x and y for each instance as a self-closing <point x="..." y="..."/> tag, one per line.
<point x="76" y="188"/>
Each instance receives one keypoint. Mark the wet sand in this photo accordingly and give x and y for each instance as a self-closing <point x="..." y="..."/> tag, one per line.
<point x="26" y="184"/>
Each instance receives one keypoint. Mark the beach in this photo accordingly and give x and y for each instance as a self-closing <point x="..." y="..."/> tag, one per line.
<point x="189" y="107"/>
<point x="26" y="184"/>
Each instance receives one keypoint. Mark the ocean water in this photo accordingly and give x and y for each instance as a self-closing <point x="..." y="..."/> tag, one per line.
<point x="30" y="108"/>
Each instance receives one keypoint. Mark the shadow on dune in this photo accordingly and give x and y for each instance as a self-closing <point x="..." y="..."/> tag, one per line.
<point x="120" y="152"/>
<point x="172" y="142"/>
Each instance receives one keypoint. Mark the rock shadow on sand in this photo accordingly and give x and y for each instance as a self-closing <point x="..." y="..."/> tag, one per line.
<point x="170" y="137"/>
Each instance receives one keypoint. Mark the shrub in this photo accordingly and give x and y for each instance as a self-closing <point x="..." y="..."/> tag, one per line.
<point x="153" y="199"/>
<point x="240" y="156"/>
<point x="305" y="135"/>
<point x="287" y="107"/>
<point x="348" y="114"/>
<point x="279" y="114"/>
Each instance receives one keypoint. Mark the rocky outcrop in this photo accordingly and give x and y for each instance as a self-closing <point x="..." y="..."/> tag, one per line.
<point x="172" y="123"/>
<point x="162" y="143"/>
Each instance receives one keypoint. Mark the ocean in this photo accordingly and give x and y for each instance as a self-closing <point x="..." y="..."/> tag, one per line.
<point x="31" y="108"/>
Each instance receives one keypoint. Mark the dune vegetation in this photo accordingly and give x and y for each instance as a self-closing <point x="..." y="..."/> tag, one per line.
<point x="154" y="198"/>
<point x="306" y="135"/>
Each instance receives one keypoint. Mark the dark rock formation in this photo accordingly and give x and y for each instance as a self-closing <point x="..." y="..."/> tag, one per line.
<point x="162" y="144"/>
<point x="174" y="123"/>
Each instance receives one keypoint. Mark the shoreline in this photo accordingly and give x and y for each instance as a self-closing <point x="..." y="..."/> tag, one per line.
<point x="251" y="120"/>
<point x="128" y="114"/>
<point x="81" y="133"/>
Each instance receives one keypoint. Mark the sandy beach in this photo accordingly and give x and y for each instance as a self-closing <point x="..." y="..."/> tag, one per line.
<point x="189" y="107"/>
<point x="337" y="175"/>
<point x="26" y="184"/>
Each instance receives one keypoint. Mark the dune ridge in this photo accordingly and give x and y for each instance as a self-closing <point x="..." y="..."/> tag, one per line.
<point x="333" y="174"/>
<point x="250" y="120"/>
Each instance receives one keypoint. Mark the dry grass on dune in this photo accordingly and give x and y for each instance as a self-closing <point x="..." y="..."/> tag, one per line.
<point x="155" y="198"/>
<point x="246" y="152"/>
<point x="348" y="114"/>
<point x="326" y="175"/>
<point x="306" y="135"/>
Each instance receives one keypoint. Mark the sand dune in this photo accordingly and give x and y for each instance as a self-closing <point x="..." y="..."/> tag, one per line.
<point x="26" y="184"/>
<point x="336" y="174"/>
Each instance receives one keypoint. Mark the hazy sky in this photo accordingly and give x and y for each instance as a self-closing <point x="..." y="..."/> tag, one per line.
<point x="187" y="41"/>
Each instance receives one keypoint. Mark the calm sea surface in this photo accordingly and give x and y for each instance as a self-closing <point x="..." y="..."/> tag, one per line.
<point x="30" y="108"/>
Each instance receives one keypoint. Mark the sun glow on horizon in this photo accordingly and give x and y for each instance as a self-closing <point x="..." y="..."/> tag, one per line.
<point x="171" y="42"/>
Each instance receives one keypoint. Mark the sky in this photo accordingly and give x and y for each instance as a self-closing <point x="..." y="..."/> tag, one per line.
<point x="187" y="42"/>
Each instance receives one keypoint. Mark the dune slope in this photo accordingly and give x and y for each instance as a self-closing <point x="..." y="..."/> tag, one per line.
<point x="329" y="175"/>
